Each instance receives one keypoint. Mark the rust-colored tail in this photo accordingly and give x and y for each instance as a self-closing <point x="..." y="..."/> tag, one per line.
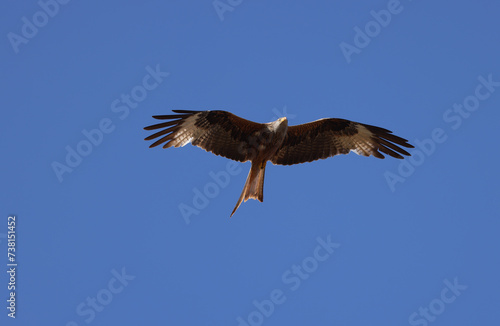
<point x="254" y="186"/>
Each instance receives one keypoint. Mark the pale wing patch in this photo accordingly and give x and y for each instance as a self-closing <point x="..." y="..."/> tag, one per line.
<point x="362" y="143"/>
<point x="187" y="132"/>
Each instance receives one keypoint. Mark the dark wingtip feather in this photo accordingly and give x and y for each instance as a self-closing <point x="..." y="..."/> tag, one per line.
<point x="389" y="143"/>
<point x="169" y="116"/>
<point x="390" y="152"/>
<point x="378" y="155"/>
<point x="175" y="120"/>
<point x="162" y="125"/>
<point x="186" y="111"/>
<point x="150" y="137"/>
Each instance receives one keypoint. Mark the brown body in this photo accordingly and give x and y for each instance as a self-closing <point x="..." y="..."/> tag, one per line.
<point x="268" y="141"/>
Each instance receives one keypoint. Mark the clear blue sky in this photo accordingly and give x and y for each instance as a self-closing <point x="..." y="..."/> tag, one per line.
<point x="351" y="240"/>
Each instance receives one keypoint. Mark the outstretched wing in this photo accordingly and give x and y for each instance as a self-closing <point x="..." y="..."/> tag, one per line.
<point x="219" y="132"/>
<point x="328" y="137"/>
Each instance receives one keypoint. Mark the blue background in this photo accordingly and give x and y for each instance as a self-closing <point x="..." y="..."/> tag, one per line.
<point x="118" y="209"/>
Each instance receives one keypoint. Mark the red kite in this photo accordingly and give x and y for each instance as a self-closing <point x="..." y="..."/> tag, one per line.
<point x="230" y="136"/>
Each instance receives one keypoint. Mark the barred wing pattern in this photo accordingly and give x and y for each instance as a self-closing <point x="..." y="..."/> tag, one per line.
<point x="219" y="132"/>
<point x="324" y="138"/>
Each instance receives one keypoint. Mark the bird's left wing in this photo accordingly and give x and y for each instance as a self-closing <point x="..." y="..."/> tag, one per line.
<point x="328" y="137"/>
<point x="219" y="132"/>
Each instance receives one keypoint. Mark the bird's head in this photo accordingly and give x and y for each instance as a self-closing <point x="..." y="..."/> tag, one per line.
<point x="280" y="125"/>
<point x="280" y="122"/>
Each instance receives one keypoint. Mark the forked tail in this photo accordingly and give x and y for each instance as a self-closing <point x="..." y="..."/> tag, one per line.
<point x="254" y="186"/>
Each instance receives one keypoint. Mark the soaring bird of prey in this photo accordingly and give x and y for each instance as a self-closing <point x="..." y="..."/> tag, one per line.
<point x="230" y="136"/>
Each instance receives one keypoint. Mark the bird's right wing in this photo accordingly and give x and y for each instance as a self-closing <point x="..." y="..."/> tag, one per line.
<point x="219" y="132"/>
